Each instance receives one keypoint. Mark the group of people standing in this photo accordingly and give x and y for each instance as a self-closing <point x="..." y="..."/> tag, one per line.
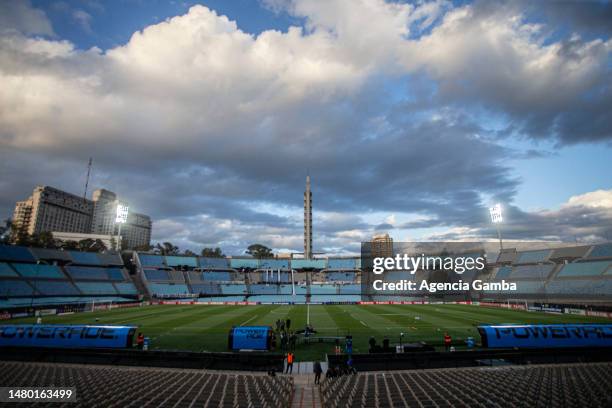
<point x="287" y="337"/>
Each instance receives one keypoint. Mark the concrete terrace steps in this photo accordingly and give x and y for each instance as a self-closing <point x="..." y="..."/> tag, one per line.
<point x="305" y="368"/>
<point x="305" y="393"/>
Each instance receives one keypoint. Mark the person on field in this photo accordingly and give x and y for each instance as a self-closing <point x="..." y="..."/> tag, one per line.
<point x="372" y="343"/>
<point x="289" y="363"/>
<point x="447" y="341"/>
<point x="292" y="341"/>
<point x="288" y="324"/>
<point x="316" y="368"/>
<point x="140" y="341"/>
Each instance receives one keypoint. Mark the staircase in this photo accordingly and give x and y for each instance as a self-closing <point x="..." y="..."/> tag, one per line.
<point x="306" y="393"/>
<point x="140" y="286"/>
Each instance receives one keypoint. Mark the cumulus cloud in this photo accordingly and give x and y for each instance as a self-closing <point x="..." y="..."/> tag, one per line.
<point x="196" y="121"/>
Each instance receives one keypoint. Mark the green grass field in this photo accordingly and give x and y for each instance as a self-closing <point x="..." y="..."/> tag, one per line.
<point x="205" y="328"/>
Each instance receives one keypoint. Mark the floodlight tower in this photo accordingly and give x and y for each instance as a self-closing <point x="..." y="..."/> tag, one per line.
<point x="496" y="218"/>
<point x="120" y="219"/>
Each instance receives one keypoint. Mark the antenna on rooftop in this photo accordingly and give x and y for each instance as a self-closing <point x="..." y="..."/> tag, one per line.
<point x="87" y="178"/>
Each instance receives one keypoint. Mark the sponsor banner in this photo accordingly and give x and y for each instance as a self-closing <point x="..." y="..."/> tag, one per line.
<point x="124" y="305"/>
<point x="250" y="338"/>
<point x="599" y="314"/>
<point x="517" y="306"/>
<point x="5" y="316"/>
<point x="570" y="310"/>
<point x="66" y="336"/>
<point x="555" y="310"/>
<point x="546" y="335"/>
<point x="47" y="312"/>
<point x="18" y="315"/>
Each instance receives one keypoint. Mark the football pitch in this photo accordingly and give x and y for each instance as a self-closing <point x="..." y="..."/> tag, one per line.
<point x="206" y="327"/>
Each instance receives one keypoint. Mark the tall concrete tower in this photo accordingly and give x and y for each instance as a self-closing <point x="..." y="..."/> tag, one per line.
<point x="307" y="220"/>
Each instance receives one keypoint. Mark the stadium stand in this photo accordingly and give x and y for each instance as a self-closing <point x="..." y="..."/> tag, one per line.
<point x="220" y="276"/>
<point x="169" y="289"/>
<point x="11" y="288"/>
<point x="85" y="258"/>
<point x="308" y="263"/>
<point x="341" y="263"/>
<point x="157" y="274"/>
<point x="57" y="288"/>
<point x="577" y="269"/>
<point x="206" y="288"/>
<point x="332" y="276"/>
<point x="532" y="256"/>
<point x="244" y="263"/>
<point x="274" y="264"/>
<point x="55" y="277"/>
<point x="567" y="385"/>
<point x="87" y="273"/>
<point x="7" y="271"/>
<point x="136" y="387"/>
<point x="188" y="261"/>
<point x="601" y="251"/>
<point x="16" y="253"/>
<point x="214" y="263"/>
<point x="96" y="288"/>
<point x="155" y="261"/>
<point x="540" y="271"/>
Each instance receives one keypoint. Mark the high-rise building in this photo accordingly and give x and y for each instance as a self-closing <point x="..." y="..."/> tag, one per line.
<point x="50" y="209"/>
<point x="307" y="220"/>
<point x="53" y="210"/>
<point x="136" y="231"/>
<point x="382" y="246"/>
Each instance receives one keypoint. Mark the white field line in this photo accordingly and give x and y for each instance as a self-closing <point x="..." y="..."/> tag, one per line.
<point x="246" y="321"/>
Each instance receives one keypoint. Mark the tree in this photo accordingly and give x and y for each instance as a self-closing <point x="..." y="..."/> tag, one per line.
<point x="99" y="246"/>
<point x="212" y="253"/>
<point x="259" y="251"/>
<point x="86" y="244"/>
<point x="45" y="240"/>
<point x="70" y="245"/>
<point x="167" y="248"/>
<point x="143" y="248"/>
<point x="189" y="252"/>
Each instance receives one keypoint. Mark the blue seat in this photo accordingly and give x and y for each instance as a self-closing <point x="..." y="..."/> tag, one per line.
<point x="151" y="260"/>
<point x="55" y="288"/>
<point x="96" y="288"/>
<point x="16" y="253"/>
<point x="87" y="272"/>
<point x="39" y="271"/>
<point x="10" y="288"/>
<point x="6" y="270"/>
<point x="85" y="258"/>
<point x="126" y="288"/>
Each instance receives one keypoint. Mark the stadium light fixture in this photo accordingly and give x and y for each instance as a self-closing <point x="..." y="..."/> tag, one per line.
<point x="121" y="218"/>
<point x="496" y="218"/>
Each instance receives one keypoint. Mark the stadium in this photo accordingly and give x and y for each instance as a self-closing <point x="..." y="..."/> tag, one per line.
<point x="186" y="306"/>
<point x="305" y="203"/>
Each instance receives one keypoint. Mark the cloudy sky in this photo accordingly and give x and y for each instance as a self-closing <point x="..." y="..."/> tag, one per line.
<point x="411" y="118"/>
